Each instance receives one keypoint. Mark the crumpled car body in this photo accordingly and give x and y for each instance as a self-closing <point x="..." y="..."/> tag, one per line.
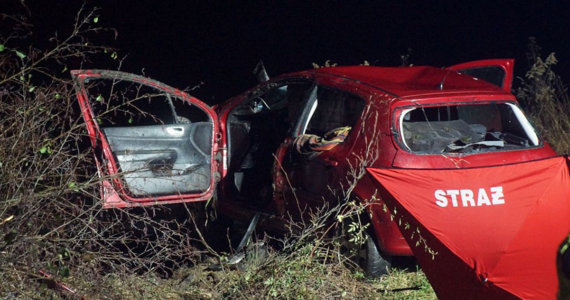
<point x="155" y="144"/>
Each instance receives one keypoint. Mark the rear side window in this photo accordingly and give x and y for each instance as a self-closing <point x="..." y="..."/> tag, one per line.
<point x="333" y="109"/>
<point x="466" y="128"/>
<point x="492" y="74"/>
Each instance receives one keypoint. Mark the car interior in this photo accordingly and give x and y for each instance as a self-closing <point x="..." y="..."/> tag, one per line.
<point x="256" y="129"/>
<point x="260" y="124"/>
<point x="466" y="129"/>
<point x="162" y="144"/>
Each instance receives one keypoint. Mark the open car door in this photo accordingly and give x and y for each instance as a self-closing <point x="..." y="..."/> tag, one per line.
<point x="153" y="144"/>
<point x="496" y="71"/>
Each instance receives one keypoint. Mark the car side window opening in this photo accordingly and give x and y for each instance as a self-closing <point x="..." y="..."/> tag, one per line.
<point x="256" y="129"/>
<point x="492" y="74"/>
<point x="161" y="143"/>
<point x="466" y="128"/>
<point x="331" y="117"/>
<point x="122" y="103"/>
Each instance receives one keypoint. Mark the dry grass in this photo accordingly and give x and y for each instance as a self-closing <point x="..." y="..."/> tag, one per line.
<point x="282" y="276"/>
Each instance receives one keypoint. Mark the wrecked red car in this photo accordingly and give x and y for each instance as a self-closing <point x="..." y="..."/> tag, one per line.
<point x="303" y="140"/>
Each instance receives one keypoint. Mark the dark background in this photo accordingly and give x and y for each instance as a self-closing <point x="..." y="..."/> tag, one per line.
<point x="184" y="43"/>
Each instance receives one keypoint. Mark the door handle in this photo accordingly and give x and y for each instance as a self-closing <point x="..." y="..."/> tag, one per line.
<point x="175" y="131"/>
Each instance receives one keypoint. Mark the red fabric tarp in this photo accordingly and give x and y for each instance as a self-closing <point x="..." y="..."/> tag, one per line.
<point x="483" y="233"/>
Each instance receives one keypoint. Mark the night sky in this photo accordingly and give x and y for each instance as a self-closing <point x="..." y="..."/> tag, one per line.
<point x="183" y="43"/>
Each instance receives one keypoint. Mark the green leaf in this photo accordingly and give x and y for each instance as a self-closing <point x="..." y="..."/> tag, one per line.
<point x="73" y="186"/>
<point x="2" y="47"/>
<point x="43" y="149"/>
<point x="130" y="120"/>
<point x="64" y="272"/>
<point x="31" y="89"/>
<point x="57" y="96"/>
<point x="96" y="19"/>
<point x="21" y="55"/>
<point x="99" y="98"/>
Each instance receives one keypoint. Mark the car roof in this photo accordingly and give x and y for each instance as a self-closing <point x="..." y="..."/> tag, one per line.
<point x="408" y="82"/>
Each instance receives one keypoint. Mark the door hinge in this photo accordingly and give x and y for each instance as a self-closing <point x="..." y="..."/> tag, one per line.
<point x="217" y="177"/>
<point x="218" y="156"/>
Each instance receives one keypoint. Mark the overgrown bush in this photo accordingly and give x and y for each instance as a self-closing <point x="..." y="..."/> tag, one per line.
<point x="51" y="222"/>
<point x="546" y="99"/>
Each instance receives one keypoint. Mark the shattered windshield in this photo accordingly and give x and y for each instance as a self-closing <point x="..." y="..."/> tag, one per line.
<point x="466" y="128"/>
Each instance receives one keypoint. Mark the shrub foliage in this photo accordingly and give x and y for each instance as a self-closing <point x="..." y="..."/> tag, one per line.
<point x="546" y="99"/>
<point x="52" y="228"/>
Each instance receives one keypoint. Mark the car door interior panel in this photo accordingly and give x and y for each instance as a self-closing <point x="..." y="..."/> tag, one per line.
<point x="163" y="159"/>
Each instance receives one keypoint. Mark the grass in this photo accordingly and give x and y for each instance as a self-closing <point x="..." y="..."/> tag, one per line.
<point x="282" y="276"/>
